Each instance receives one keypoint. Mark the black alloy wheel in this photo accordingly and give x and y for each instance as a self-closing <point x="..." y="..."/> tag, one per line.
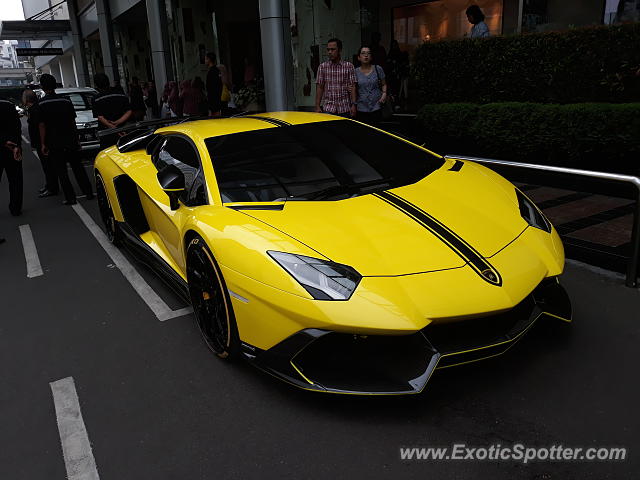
<point x="106" y="213"/>
<point x="211" y="302"/>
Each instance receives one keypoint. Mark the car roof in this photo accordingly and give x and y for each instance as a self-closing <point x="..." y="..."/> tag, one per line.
<point x="225" y="126"/>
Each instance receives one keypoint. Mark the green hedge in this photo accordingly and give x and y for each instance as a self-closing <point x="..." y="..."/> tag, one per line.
<point x="588" y="135"/>
<point x="595" y="64"/>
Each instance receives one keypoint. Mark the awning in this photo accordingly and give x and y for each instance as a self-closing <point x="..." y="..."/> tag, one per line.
<point x="34" y="29"/>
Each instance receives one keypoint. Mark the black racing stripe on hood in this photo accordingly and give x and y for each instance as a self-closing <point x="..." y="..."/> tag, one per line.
<point x="465" y="251"/>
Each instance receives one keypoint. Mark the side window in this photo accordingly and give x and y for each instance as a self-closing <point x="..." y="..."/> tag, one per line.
<point x="181" y="153"/>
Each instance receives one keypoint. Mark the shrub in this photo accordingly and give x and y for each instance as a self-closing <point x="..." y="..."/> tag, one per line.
<point x="588" y="135"/>
<point x="595" y="64"/>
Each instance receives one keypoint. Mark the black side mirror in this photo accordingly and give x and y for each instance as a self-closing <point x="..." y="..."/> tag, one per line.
<point x="154" y="145"/>
<point x="171" y="180"/>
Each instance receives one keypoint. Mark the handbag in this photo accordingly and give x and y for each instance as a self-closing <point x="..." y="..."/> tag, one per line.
<point x="386" y="107"/>
<point x="226" y="94"/>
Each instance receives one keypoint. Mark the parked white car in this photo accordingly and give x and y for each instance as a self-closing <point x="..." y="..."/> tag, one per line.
<point x="86" y="123"/>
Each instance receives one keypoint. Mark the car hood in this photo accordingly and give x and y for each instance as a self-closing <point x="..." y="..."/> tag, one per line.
<point x="411" y="229"/>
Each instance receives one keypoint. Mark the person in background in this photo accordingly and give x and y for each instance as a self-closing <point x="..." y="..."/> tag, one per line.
<point x="249" y="75"/>
<point x="151" y="100"/>
<point x="336" y="83"/>
<point x="11" y="153"/>
<point x="112" y="109"/>
<point x="378" y="53"/>
<point x="191" y="99"/>
<point x="153" y="93"/>
<point x="398" y="74"/>
<point x="175" y="104"/>
<point x="30" y="100"/>
<point x="136" y="96"/>
<point x="59" y="139"/>
<point x="213" y="85"/>
<point x="225" y="95"/>
<point x="198" y="87"/>
<point x="476" y="18"/>
<point x="165" y="111"/>
<point x="372" y="88"/>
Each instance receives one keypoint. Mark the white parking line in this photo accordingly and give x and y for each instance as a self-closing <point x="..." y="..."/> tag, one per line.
<point x="76" y="449"/>
<point x="150" y="297"/>
<point x="30" y="252"/>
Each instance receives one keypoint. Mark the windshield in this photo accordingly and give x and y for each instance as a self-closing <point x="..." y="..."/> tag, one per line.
<point x="314" y="161"/>
<point x="81" y="101"/>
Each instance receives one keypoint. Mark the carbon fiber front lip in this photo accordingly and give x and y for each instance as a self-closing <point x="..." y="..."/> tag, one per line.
<point x="284" y="360"/>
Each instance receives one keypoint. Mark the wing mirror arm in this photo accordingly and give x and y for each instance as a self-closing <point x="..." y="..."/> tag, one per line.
<point x="171" y="180"/>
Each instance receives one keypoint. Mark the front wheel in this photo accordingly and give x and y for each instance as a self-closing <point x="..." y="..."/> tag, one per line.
<point x="211" y="302"/>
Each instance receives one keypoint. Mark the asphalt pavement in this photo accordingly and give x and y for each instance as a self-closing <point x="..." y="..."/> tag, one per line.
<point x="156" y="404"/>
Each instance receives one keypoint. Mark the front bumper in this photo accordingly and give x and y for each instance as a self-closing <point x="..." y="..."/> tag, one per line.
<point x="335" y="362"/>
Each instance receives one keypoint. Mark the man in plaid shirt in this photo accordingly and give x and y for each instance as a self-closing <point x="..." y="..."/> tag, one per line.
<point x="336" y="83"/>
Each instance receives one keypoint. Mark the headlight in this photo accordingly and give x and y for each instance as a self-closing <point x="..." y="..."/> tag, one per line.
<point x="324" y="280"/>
<point x="532" y="214"/>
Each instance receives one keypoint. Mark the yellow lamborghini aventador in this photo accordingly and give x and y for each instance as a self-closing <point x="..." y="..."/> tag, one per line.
<point x="332" y="255"/>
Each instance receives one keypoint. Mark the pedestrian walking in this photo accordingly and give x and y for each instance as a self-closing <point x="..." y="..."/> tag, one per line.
<point x="11" y="153"/>
<point x="30" y="101"/>
<point x="476" y="18"/>
<point x="213" y="85"/>
<point x="372" y="88"/>
<point x="111" y="108"/>
<point x="59" y="139"/>
<point x="336" y="83"/>
<point x="136" y="96"/>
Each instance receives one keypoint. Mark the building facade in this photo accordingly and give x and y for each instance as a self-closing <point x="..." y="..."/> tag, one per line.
<point x="165" y="40"/>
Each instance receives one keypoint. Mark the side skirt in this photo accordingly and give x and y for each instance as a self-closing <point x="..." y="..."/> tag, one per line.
<point x="146" y="255"/>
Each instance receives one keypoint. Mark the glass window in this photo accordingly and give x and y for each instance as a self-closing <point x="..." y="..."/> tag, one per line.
<point x="621" y="11"/>
<point x="441" y="20"/>
<point x="314" y="161"/>
<point x="81" y="101"/>
<point x="181" y="153"/>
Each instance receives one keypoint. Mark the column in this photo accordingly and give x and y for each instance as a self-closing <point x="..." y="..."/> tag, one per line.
<point x="159" y="39"/>
<point x="276" y="54"/>
<point x="105" y="27"/>
<point x="79" y="62"/>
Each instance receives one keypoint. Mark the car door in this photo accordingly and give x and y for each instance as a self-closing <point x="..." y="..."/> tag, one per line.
<point x="168" y="224"/>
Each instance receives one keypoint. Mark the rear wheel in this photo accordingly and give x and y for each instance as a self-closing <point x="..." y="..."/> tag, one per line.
<point x="210" y="300"/>
<point x="106" y="213"/>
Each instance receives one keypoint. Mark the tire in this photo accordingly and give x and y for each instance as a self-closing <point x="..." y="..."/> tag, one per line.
<point x="111" y="228"/>
<point x="211" y="302"/>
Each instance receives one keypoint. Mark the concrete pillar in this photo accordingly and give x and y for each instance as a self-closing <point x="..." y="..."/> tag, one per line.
<point x="159" y="39"/>
<point x="105" y="27"/>
<point x="56" y="71"/>
<point x="66" y="66"/>
<point x="520" y="9"/>
<point x="276" y="54"/>
<point x="79" y="60"/>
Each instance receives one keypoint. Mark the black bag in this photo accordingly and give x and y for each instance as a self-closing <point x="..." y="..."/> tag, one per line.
<point x="387" y="106"/>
